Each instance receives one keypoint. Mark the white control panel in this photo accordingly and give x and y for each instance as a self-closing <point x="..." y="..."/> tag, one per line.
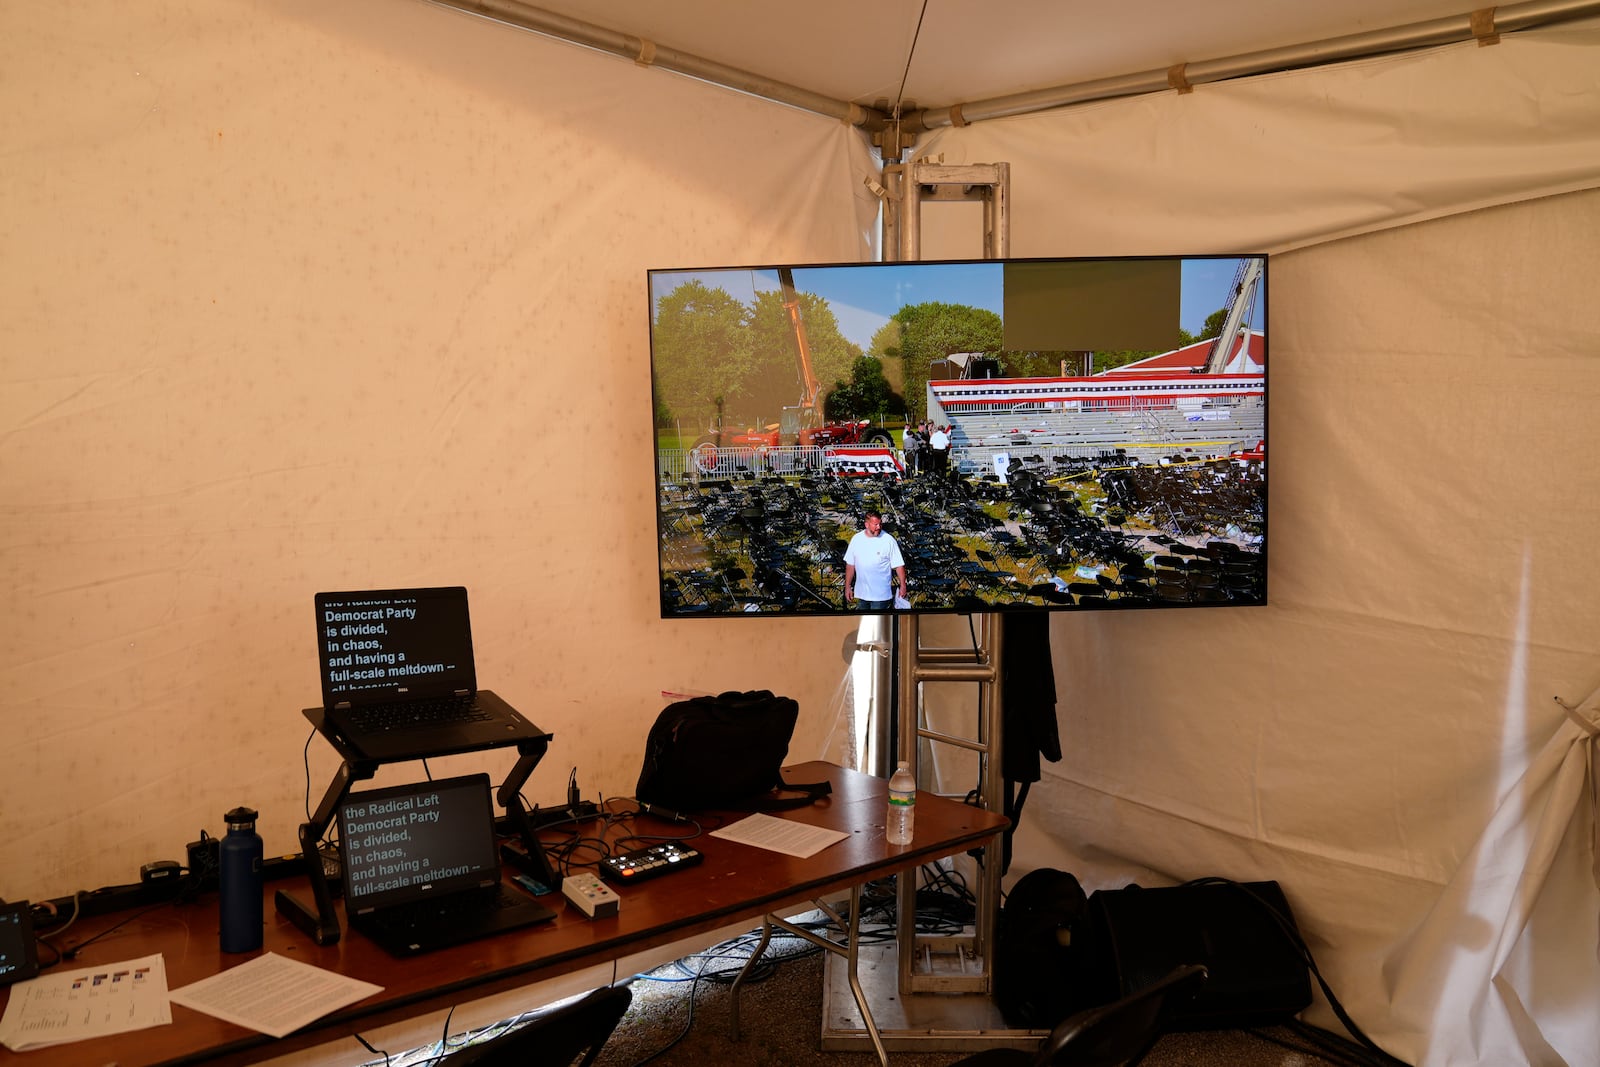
<point x="592" y="896"/>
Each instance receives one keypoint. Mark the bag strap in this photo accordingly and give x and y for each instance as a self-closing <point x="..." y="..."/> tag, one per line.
<point x="811" y="792"/>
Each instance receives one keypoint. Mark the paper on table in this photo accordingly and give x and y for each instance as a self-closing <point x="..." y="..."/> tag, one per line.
<point x="109" y="998"/>
<point x="273" y="994"/>
<point x="781" y="835"/>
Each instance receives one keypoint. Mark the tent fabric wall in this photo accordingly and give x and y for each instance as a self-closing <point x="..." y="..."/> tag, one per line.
<point x="1529" y="883"/>
<point x="303" y="296"/>
<point x="1383" y="739"/>
<point x="306" y="296"/>
<point x="1373" y="738"/>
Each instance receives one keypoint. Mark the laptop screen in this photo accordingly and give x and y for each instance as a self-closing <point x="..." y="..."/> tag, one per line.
<point x="401" y="843"/>
<point x="385" y="645"/>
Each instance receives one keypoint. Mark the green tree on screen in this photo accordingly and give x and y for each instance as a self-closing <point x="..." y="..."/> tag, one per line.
<point x="777" y="351"/>
<point x="865" y="395"/>
<point x="701" y="351"/>
<point x="885" y="343"/>
<point x="933" y="331"/>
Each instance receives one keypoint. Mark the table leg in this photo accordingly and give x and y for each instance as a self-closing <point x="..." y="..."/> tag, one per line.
<point x="851" y="955"/>
<point x="733" y="995"/>
<point x="849" y="950"/>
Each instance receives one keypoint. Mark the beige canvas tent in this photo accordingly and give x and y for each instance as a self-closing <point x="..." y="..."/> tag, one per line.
<point x="303" y="296"/>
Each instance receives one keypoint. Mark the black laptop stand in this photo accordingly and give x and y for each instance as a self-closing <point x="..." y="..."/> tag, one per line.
<point x="320" y="922"/>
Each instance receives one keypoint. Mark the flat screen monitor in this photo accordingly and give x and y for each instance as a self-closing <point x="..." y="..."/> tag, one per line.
<point x="1031" y="434"/>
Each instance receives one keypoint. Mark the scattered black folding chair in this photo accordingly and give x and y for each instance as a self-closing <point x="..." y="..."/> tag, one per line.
<point x="1111" y="1035"/>
<point x="571" y="1033"/>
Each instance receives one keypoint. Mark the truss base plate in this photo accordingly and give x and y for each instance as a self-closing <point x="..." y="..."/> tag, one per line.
<point x="918" y="1022"/>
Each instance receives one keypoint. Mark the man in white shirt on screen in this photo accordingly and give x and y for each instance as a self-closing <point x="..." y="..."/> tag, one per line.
<point x="939" y="448"/>
<point x="874" y="570"/>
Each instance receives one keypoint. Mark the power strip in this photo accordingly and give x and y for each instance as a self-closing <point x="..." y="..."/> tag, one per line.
<point x="592" y="896"/>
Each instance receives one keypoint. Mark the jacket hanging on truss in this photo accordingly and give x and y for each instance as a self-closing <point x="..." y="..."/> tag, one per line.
<point x="1028" y="711"/>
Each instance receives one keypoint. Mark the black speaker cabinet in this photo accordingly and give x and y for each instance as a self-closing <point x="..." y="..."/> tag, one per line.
<point x="1258" y="975"/>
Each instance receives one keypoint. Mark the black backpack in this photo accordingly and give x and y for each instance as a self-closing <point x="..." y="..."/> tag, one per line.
<point x="1041" y="972"/>
<point x="723" y="751"/>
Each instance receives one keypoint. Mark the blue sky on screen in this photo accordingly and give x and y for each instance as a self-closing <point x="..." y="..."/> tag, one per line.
<point x="864" y="296"/>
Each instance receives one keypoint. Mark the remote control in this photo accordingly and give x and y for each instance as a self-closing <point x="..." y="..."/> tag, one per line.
<point x="643" y="864"/>
<point x="592" y="896"/>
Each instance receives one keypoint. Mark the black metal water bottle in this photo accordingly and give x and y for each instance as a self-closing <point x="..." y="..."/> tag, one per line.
<point x="239" y="886"/>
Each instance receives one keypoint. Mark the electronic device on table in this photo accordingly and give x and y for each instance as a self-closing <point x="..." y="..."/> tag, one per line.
<point x="398" y="676"/>
<point x="1101" y="432"/>
<point x="590" y="895"/>
<point x="420" y="866"/>
<point x="643" y="864"/>
<point x="19" y="950"/>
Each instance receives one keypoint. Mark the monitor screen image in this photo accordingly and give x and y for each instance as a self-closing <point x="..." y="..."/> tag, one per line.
<point x="960" y="436"/>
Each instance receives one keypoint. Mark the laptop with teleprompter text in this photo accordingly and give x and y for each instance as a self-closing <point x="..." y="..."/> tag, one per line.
<point x="421" y="868"/>
<point x="398" y="676"/>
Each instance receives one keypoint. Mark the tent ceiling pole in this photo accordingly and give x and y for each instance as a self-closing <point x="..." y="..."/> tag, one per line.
<point x="650" y="54"/>
<point x="1452" y="29"/>
<point x="895" y="137"/>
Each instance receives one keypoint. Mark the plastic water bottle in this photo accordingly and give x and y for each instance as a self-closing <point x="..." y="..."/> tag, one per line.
<point x="239" y="882"/>
<point x="902" y="805"/>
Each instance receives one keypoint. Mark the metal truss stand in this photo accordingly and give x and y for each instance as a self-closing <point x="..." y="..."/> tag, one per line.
<point x="931" y="992"/>
<point x="908" y="186"/>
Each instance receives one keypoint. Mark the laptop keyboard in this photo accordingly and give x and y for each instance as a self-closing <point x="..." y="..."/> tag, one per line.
<point x="464" y="910"/>
<point x="445" y="711"/>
